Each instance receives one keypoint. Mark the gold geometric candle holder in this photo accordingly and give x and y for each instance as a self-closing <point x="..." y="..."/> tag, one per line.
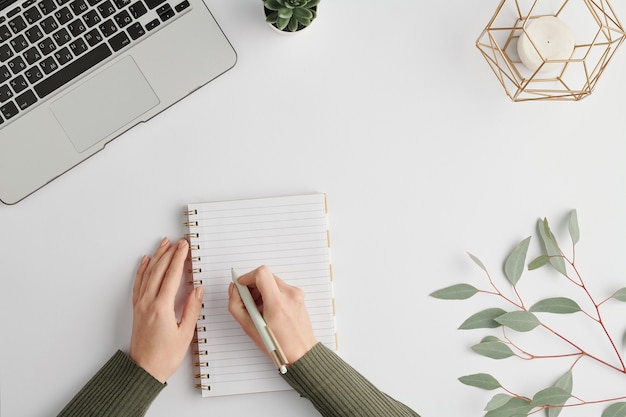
<point x="597" y="34"/>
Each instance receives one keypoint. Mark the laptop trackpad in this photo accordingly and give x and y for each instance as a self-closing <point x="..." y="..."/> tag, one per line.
<point x="105" y="103"/>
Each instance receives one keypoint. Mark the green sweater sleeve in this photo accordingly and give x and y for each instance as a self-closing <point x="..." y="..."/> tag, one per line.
<point x="120" y="388"/>
<point x="337" y="390"/>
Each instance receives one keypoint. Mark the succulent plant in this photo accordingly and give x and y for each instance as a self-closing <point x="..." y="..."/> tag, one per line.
<point x="290" y="15"/>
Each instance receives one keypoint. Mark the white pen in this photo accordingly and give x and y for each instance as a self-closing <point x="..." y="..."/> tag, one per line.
<point x="270" y="342"/>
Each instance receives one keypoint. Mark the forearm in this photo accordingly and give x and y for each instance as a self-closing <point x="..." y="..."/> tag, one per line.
<point x="338" y="390"/>
<point x="120" y="388"/>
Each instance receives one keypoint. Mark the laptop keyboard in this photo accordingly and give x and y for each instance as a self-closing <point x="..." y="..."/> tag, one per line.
<point x="44" y="44"/>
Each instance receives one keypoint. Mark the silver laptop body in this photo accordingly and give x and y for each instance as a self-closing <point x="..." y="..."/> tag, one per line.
<point x="131" y="59"/>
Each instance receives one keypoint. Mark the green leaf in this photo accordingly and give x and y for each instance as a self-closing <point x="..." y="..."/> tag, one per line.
<point x="293" y="25"/>
<point x="493" y="350"/>
<point x="515" y="407"/>
<point x="514" y="264"/>
<point x="483" y="319"/>
<point x="566" y="383"/>
<point x="272" y="18"/>
<point x="477" y="262"/>
<point x="574" y="231"/>
<point x="557" y="305"/>
<point x="484" y="381"/>
<point x="620" y="294"/>
<point x="497" y="401"/>
<point x="285" y="13"/>
<point x="521" y="321"/>
<point x="272" y="5"/>
<point x="489" y="339"/>
<point x="281" y="23"/>
<point x="303" y="13"/>
<point x="552" y="248"/>
<point x="615" y="410"/>
<point x="455" y="292"/>
<point x="538" y="262"/>
<point x="550" y="396"/>
<point x="303" y="21"/>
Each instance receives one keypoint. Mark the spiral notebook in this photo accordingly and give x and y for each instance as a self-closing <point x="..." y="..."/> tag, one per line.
<point x="288" y="234"/>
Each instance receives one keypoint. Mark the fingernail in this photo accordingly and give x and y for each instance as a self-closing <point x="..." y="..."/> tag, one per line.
<point x="182" y="243"/>
<point x="199" y="293"/>
<point x="144" y="259"/>
<point x="164" y="241"/>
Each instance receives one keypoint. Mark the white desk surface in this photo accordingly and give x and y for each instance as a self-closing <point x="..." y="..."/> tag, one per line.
<point x="392" y="111"/>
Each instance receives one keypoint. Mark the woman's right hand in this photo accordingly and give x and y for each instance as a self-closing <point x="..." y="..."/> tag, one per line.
<point x="283" y="309"/>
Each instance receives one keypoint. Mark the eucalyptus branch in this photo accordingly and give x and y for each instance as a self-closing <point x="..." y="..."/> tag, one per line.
<point x="599" y="320"/>
<point x="523" y="319"/>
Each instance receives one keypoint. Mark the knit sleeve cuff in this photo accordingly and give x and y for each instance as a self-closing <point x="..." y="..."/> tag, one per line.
<point x="337" y="390"/>
<point x="120" y="387"/>
<point x="311" y="371"/>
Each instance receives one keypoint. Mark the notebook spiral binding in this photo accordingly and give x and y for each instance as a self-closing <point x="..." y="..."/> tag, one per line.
<point x="200" y="354"/>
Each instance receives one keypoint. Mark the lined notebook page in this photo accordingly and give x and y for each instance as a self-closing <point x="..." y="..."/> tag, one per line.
<point x="288" y="234"/>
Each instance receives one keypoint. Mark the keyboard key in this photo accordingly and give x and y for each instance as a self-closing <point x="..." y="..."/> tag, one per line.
<point x="47" y="46"/>
<point x="137" y="9"/>
<point x="5" y="52"/>
<point x="61" y="37"/>
<point x="18" y="84"/>
<point x="72" y="70"/>
<point x="79" y="7"/>
<point x="121" y="3"/>
<point x="16" y="65"/>
<point x="63" y="15"/>
<point x="28" y="3"/>
<point x="93" y="37"/>
<point x="5" y="93"/>
<point x="33" y="75"/>
<point x="165" y="12"/>
<point x="78" y="47"/>
<point x="33" y="34"/>
<point x="123" y="18"/>
<point x="182" y="6"/>
<point x="47" y="6"/>
<point x="8" y="110"/>
<point x="108" y="28"/>
<point x="32" y="15"/>
<point x="48" y="65"/>
<point x="152" y="24"/>
<point x="5" y="33"/>
<point x="153" y="3"/>
<point x="13" y="12"/>
<point x="136" y="30"/>
<point x="93" y="2"/>
<point x="92" y="18"/>
<point x="5" y="74"/>
<point x="19" y="43"/>
<point x="17" y="24"/>
<point x="26" y="99"/>
<point x="61" y="2"/>
<point x="49" y="24"/>
<point x="63" y="56"/>
<point x="76" y="27"/>
<point x="106" y="9"/>
<point x="119" y="41"/>
<point x="32" y="55"/>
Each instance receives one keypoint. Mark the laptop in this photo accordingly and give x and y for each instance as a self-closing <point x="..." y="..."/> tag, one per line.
<point x="76" y="74"/>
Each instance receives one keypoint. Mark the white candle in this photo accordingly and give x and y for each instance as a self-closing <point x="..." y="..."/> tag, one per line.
<point x="552" y="39"/>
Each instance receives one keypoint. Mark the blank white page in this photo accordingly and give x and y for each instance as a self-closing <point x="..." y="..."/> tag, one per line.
<point x="288" y="234"/>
